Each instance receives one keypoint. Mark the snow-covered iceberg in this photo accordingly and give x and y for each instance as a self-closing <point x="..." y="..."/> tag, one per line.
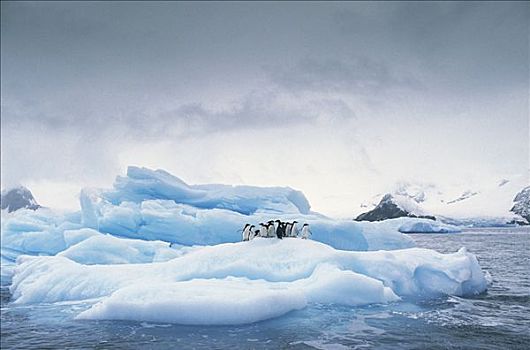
<point x="158" y="208"/>
<point x="142" y="184"/>
<point x="107" y="249"/>
<point x="236" y="300"/>
<point x="149" y="209"/>
<point x="153" y="248"/>
<point x="35" y="232"/>
<point x="155" y="205"/>
<point x="246" y="282"/>
<point x="44" y="232"/>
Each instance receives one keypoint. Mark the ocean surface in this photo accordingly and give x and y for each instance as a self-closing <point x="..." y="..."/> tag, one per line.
<point x="498" y="319"/>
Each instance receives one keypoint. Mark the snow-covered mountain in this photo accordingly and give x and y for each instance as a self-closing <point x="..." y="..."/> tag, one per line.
<point x="498" y="203"/>
<point x="522" y="204"/>
<point x="18" y="198"/>
<point x="394" y="206"/>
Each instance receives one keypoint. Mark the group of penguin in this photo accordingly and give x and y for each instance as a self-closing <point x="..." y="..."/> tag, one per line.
<point x="277" y="228"/>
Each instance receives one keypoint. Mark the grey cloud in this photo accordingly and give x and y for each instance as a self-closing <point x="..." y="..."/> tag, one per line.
<point x="87" y="75"/>
<point x="106" y="65"/>
<point x="456" y="45"/>
<point x="258" y="109"/>
<point x="261" y="110"/>
<point x="361" y="76"/>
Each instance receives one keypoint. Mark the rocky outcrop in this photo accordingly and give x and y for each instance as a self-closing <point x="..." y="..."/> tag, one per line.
<point x="18" y="198"/>
<point x="464" y="196"/>
<point x="389" y="208"/>
<point x="521" y="205"/>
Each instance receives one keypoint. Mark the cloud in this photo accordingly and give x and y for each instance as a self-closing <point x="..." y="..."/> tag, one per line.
<point x="258" y="110"/>
<point x="455" y="46"/>
<point x="364" y="92"/>
<point x="100" y="118"/>
<point x="358" y="76"/>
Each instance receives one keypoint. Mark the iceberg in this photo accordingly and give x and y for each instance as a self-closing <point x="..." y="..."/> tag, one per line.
<point x="142" y="184"/>
<point x="44" y="232"/>
<point x="35" y="232"/>
<point x="428" y="226"/>
<point x="154" y="248"/>
<point x="259" y="279"/>
<point x="233" y="300"/>
<point x="107" y="249"/>
<point x="155" y="205"/>
<point x="138" y="208"/>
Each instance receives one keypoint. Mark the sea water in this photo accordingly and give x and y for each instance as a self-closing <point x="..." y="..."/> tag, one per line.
<point x="497" y="319"/>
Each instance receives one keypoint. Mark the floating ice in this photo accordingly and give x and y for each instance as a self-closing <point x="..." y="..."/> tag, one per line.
<point x="129" y="211"/>
<point x="155" y="205"/>
<point x="234" y="300"/>
<point x="427" y="226"/>
<point x="289" y="273"/>
<point x="199" y="302"/>
<point x="106" y="249"/>
<point x="142" y="184"/>
<point x="35" y="232"/>
<point x="156" y="249"/>
<point x="44" y="232"/>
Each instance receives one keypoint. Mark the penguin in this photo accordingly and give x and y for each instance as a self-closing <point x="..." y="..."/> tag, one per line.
<point x="250" y="230"/>
<point x="264" y="230"/>
<point x="294" y="229"/>
<point x="271" y="229"/>
<point x="306" y="232"/>
<point x="288" y="227"/>
<point x="280" y="229"/>
<point x="246" y="232"/>
<point x="254" y="234"/>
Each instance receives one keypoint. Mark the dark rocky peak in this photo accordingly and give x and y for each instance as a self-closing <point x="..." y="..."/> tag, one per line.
<point x="18" y="198"/>
<point x="388" y="209"/>
<point x="522" y="204"/>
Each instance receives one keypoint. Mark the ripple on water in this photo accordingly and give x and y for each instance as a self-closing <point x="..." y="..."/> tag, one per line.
<point x="499" y="319"/>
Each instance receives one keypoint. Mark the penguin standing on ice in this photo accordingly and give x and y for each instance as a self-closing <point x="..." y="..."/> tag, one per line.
<point x="294" y="229"/>
<point x="306" y="232"/>
<point x="263" y="232"/>
<point x="247" y="231"/>
<point x="288" y="228"/>
<point x="280" y="229"/>
<point x="271" y="229"/>
<point x="263" y="229"/>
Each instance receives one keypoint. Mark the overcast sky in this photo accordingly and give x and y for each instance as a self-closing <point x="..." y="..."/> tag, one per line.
<point x="339" y="100"/>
